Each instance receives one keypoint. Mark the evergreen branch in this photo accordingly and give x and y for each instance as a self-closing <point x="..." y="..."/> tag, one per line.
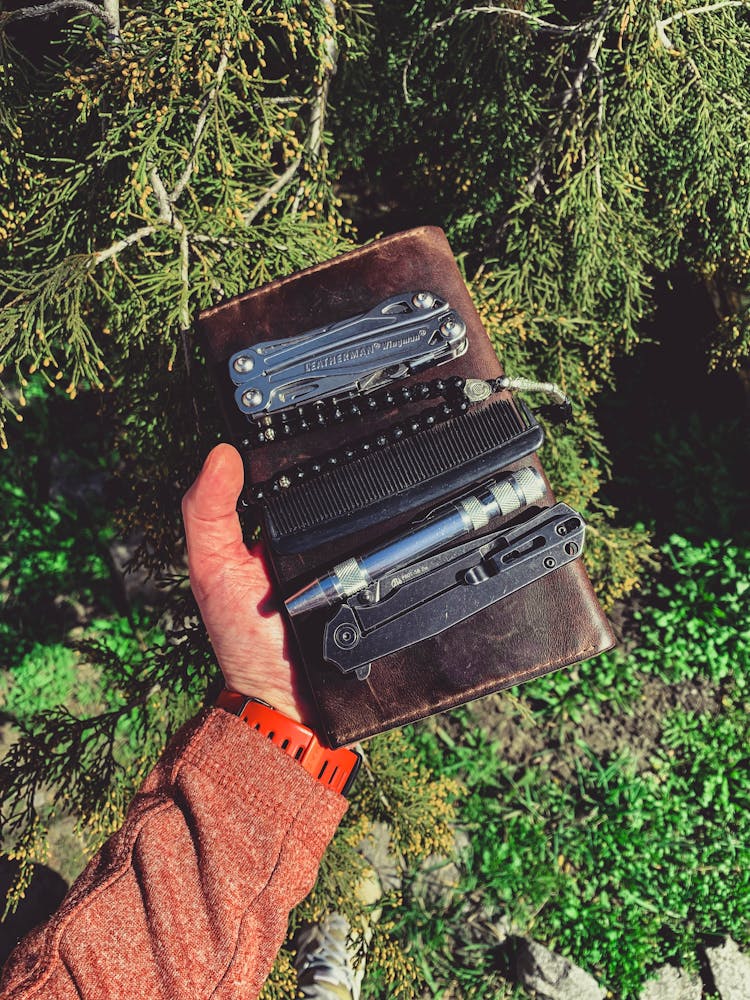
<point x="319" y="103"/>
<point x="588" y="64"/>
<point x="105" y="13"/>
<point x="224" y="241"/>
<point x="200" y="127"/>
<point x="281" y="181"/>
<point x="112" y="10"/>
<point x="169" y="216"/>
<point x="167" y="213"/>
<point x="316" y="121"/>
<point x="119" y="245"/>
<point x="184" y="281"/>
<point x="317" y="117"/>
<point x="663" y="22"/>
<point x="539" y="23"/>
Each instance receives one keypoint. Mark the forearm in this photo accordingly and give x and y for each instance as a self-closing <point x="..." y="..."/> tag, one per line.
<point x="191" y="898"/>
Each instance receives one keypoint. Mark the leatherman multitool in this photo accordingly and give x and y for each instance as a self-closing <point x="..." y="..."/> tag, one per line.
<point x="404" y="334"/>
<point x="423" y="599"/>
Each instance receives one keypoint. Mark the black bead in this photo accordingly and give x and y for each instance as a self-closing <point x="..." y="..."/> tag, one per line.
<point x="303" y="426"/>
<point x="316" y="468"/>
<point x="299" y="474"/>
<point x="446" y="410"/>
<point x="423" y="390"/>
<point x="429" y="419"/>
<point x="388" y="398"/>
<point x="365" y="447"/>
<point x="332" y="460"/>
<point x="286" y="430"/>
<point x="397" y="433"/>
<point x="349" y="454"/>
<point x="414" y="426"/>
<point x="355" y="411"/>
<point x="372" y="404"/>
<point x="438" y="387"/>
<point x="320" y="418"/>
<point x="381" y="440"/>
<point x="462" y="405"/>
<point x="456" y="383"/>
<point x="406" y="394"/>
<point x="337" y="415"/>
<point x="258" y="494"/>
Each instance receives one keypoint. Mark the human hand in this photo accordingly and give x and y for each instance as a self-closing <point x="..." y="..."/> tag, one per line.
<point x="232" y="587"/>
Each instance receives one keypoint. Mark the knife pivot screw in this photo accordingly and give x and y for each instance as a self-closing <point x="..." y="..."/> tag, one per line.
<point x="561" y="529"/>
<point x="252" y="397"/>
<point x="424" y="300"/>
<point x="243" y="364"/>
<point x="345" y="637"/>
<point x="549" y="563"/>
<point x="571" y="549"/>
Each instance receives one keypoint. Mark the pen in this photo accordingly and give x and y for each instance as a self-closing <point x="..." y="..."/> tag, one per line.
<point x="471" y="512"/>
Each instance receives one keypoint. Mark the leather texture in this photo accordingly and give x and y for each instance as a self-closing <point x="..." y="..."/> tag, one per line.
<point x="549" y="624"/>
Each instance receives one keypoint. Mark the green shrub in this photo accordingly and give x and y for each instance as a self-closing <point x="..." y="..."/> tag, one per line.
<point x="622" y="871"/>
<point x="46" y="677"/>
<point x="609" y="683"/>
<point x="626" y="859"/>
<point x="697" y="623"/>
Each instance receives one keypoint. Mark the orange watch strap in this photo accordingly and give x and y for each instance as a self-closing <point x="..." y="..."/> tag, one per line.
<point x="336" y="769"/>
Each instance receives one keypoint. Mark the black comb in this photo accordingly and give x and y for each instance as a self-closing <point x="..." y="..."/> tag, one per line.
<point x="408" y="474"/>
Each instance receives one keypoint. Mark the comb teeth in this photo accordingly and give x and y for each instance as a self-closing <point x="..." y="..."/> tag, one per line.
<point x="406" y="474"/>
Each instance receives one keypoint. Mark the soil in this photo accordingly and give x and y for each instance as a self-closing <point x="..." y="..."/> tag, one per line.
<point x="638" y="731"/>
<point x="526" y="737"/>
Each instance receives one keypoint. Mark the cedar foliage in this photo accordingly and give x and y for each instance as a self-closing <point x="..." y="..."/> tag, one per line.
<point x="158" y="158"/>
<point x="572" y="152"/>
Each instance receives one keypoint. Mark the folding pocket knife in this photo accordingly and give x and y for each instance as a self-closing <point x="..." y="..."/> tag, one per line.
<point x="424" y="598"/>
<point x="404" y="334"/>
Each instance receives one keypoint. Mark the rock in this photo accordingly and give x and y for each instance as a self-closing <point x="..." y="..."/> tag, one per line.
<point x="136" y="584"/>
<point x="552" y="977"/>
<point x="730" y="970"/>
<point x="439" y="876"/>
<point x="501" y="928"/>
<point x="376" y="849"/>
<point x="436" y="881"/>
<point x="673" y="984"/>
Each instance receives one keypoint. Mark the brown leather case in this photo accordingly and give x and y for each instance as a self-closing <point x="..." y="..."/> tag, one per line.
<point x="549" y="624"/>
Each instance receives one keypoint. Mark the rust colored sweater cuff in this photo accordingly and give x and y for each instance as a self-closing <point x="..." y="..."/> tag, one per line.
<point x="191" y="897"/>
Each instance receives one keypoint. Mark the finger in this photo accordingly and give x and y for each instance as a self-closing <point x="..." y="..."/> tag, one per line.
<point x="209" y="506"/>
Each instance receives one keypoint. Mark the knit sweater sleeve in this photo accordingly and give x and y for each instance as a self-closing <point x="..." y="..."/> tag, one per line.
<point x="190" y="899"/>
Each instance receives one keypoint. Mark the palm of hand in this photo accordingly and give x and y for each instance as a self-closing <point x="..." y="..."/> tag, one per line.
<point x="233" y="590"/>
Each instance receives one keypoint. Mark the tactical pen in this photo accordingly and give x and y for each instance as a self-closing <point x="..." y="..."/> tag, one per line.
<point x="471" y="512"/>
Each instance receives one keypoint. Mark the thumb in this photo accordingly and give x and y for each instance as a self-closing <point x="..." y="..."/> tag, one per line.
<point x="209" y="506"/>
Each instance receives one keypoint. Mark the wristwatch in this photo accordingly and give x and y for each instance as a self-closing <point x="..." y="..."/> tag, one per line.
<point x="336" y="769"/>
